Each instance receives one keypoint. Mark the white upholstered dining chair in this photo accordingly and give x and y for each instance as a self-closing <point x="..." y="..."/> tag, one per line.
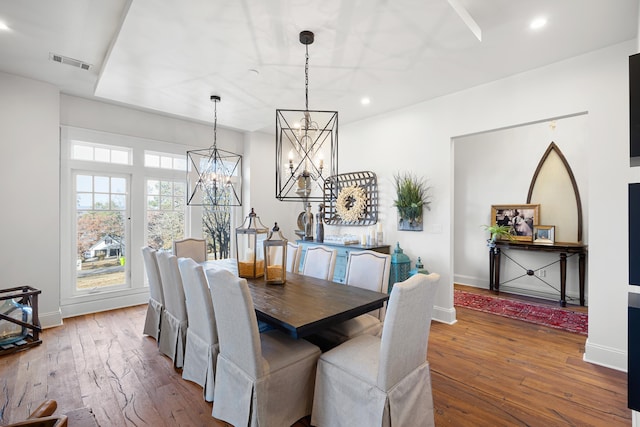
<point x="201" y="352"/>
<point x="261" y="379"/>
<point x="156" y="298"/>
<point x="366" y="270"/>
<point x="320" y="262"/>
<point x="382" y="381"/>
<point x="293" y="257"/>
<point x="173" y="329"/>
<point x="195" y="249"/>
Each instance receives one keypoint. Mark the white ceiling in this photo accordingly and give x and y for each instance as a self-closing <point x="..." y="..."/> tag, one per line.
<point x="170" y="56"/>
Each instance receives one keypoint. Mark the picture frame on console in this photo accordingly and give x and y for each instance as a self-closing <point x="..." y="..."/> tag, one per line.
<point x="521" y="218"/>
<point x="544" y="234"/>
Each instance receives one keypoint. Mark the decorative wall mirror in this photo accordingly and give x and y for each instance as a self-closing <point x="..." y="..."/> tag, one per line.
<point x="554" y="187"/>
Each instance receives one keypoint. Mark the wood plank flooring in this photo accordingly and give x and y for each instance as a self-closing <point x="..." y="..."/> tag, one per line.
<point x="486" y="371"/>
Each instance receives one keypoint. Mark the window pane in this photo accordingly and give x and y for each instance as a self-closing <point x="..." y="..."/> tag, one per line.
<point x="82" y="152"/>
<point x="153" y="202"/>
<point x="84" y="201"/>
<point x="102" y="154"/>
<point x="166" y="188"/>
<point x="163" y="227"/>
<point x="120" y="157"/>
<point x="166" y="162"/>
<point x="118" y="201"/>
<point x="153" y="186"/>
<point x="166" y="203"/>
<point x="180" y="163"/>
<point x="178" y="203"/>
<point x="101" y="184"/>
<point x="84" y="183"/>
<point x="101" y="201"/>
<point x="178" y="189"/>
<point x="152" y="160"/>
<point x="101" y="249"/>
<point x="118" y="185"/>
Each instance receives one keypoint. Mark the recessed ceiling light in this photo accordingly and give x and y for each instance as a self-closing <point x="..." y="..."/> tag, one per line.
<point x="4" y="27"/>
<point x="538" y="23"/>
<point x="365" y="101"/>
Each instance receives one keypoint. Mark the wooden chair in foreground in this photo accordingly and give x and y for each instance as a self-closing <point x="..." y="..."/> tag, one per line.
<point x="42" y="417"/>
<point x="372" y="381"/>
<point x="195" y="249"/>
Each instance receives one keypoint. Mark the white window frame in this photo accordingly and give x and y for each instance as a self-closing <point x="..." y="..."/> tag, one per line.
<point x="75" y="302"/>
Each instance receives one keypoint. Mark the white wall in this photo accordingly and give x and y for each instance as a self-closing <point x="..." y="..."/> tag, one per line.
<point x="419" y="139"/>
<point x="29" y="171"/>
<point x="260" y="155"/>
<point x="508" y="160"/>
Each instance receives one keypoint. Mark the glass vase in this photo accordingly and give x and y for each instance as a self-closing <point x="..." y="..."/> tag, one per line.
<point x="12" y="332"/>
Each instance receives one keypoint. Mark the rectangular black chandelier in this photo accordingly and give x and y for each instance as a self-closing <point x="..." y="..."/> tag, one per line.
<point x="306" y="153"/>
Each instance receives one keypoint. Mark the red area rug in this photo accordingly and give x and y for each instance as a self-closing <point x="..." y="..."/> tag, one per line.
<point x="542" y="315"/>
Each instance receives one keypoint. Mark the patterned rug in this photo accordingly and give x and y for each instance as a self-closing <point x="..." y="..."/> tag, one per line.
<point x="542" y="315"/>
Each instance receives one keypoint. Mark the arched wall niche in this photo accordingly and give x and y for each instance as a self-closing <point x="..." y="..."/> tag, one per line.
<point x="554" y="188"/>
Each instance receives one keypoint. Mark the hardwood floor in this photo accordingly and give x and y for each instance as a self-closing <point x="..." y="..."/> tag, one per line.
<point x="486" y="371"/>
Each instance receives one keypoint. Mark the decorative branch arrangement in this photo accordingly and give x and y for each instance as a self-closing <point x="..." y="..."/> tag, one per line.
<point x="412" y="198"/>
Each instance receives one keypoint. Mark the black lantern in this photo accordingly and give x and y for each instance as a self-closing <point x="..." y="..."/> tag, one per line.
<point x="275" y="257"/>
<point x="214" y="176"/>
<point x="250" y="237"/>
<point x="306" y="146"/>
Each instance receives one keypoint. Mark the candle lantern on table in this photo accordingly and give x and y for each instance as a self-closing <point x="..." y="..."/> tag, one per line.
<point x="275" y="257"/>
<point x="250" y="237"/>
<point x="400" y="267"/>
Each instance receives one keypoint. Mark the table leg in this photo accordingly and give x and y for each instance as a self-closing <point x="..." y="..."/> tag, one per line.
<point x="563" y="279"/>
<point x="497" y="261"/>
<point x="581" y="274"/>
<point x="492" y="265"/>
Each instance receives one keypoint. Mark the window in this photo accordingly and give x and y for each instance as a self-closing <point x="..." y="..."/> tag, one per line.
<point x="165" y="212"/>
<point x="101" y="228"/>
<point x="165" y="161"/>
<point x="118" y="194"/>
<point x="81" y="150"/>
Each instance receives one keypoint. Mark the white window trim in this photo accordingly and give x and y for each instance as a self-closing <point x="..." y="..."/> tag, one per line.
<point x="74" y="302"/>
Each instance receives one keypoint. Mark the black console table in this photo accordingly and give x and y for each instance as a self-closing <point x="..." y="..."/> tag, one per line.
<point x="559" y="247"/>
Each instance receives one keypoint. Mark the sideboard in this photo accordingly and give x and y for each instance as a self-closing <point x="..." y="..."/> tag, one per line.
<point x="342" y="255"/>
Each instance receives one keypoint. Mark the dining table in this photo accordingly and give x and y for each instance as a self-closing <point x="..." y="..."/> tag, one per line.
<point x="304" y="305"/>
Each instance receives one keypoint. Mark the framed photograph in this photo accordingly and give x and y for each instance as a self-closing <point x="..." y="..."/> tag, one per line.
<point x="544" y="234"/>
<point x="520" y="218"/>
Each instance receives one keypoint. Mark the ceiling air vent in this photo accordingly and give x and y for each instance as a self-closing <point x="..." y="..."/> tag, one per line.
<point x="69" y="61"/>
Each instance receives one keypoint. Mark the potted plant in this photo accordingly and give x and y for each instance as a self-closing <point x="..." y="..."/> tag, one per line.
<point x="412" y="198"/>
<point x="498" y="232"/>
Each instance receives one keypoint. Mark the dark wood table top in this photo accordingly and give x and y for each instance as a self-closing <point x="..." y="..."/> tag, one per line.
<point x="305" y="305"/>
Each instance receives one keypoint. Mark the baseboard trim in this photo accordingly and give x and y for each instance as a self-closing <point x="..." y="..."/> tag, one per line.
<point x="50" y="320"/>
<point x="608" y="357"/>
<point x="104" y="304"/>
<point x="445" y="315"/>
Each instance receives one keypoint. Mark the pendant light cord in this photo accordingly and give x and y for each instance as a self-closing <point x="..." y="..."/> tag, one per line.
<point x="306" y="79"/>
<point x="215" y="123"/>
